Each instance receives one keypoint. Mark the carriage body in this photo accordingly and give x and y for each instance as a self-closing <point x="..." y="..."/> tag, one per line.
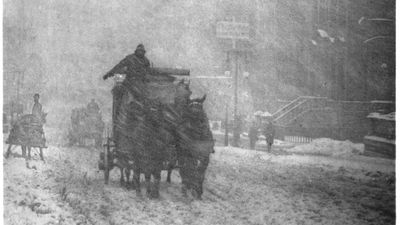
<point x="27" y="131"/>
<point x="86" y="126"/>
<point x="161" y="91"/>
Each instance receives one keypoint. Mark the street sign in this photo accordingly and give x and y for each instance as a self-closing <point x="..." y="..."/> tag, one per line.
<point x="233" y="30"/>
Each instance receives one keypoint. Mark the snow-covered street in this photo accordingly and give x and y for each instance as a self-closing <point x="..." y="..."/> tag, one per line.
<point x="285" y="109"/>
<point x="241" y="187"/>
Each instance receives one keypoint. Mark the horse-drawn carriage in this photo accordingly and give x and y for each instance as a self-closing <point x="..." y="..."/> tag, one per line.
<point x="158" y="126"/>
<point x="86" y="128"/>
<point x="27" y="132"/>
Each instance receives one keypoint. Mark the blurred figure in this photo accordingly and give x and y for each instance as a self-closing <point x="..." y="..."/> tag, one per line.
<point x="93" y="107"/>
<point x="253" y="135"/>
<point x="135" y="66"/>
<point x="37" y="107"/>
<point x="237" y="130"/>
<point x="269" y="133"/>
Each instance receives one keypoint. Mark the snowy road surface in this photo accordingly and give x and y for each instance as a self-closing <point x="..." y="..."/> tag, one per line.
<point x="241" y="187"/>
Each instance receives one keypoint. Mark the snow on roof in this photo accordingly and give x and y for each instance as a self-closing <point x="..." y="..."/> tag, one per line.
<point x="375" y="115"/>
<point x="382" y="101"/>
<point x="263" y="114"/>
<point x="266" y="114"/>
<point x="258" y="113"/>
<point x="323" y="33"/>
<point x="314" y="42"/>
<point x="381" y="139"/>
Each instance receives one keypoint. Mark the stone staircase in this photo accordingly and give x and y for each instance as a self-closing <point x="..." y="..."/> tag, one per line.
<point x="297" y="107"/>
<point x="315" y="117"/>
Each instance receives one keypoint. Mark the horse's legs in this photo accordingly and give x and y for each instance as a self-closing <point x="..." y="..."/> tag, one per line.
<point x="170" y="168"/>
<point x="29" y="152"/>
<point x="121" y="180"/>
<point x="183" y="173"/>
<point x="23" y="148"/>
<point x="156" y="186"/>
<point x="184" y="189"/>
<point x="269" y="146"/>
<point x="127" y="174"/>
<point x="136" y="180"/>
<point x="8" y="151"/>
<point x="147" y="177"/>
<point x="41" y="154"/>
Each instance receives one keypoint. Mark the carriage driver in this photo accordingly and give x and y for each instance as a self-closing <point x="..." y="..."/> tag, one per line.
<point x="135" y="66"/>
<point x="37" y="107"/>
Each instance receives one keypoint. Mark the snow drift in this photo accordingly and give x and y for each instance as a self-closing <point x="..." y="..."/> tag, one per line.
<point x="329" y="147"/>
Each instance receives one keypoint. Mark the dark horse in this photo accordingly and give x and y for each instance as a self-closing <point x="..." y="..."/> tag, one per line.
<point x="140" y="120"/>
<point x="141" y="140"/>
<point x="160" y="130"/>
<point x="195" y="145"/>
<point x="149" y="133"/>
<point x="149" y="151"/>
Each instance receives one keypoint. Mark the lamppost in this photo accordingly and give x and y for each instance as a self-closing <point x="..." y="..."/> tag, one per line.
<point x="225" y="98"/>
<point x="234" y="31"/>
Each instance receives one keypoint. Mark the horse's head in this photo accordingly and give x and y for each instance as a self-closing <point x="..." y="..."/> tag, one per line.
<point x="201" y="151"/>
<point x="196" y="105"/>
<point x="200" y="100"/>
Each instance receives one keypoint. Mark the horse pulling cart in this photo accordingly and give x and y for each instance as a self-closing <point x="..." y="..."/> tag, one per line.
<point x="150" y="129"/>
<point x="28" y="133"/>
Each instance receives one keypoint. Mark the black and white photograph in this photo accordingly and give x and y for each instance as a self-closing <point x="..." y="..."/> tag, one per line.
<point x="199" y="112"/>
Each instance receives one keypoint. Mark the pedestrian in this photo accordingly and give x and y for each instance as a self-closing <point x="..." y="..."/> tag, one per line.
<point x="237" y="131"/>
<point x="269" y="133"/>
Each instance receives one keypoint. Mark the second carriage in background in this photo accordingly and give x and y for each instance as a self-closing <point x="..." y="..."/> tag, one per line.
<point x="87" y="126"/>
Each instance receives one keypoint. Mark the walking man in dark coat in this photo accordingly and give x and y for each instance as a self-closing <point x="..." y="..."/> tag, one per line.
<point x="269" y="133"/>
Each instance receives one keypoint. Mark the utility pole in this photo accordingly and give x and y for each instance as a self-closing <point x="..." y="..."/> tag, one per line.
<point x="226" y="142"/>
<point x="234" y="31"/>
<point x="236" y="131"/>
<point x="345" y="70"/>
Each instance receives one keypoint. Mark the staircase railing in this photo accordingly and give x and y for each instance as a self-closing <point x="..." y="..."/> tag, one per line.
<point x="292" y="110"/>
<point x="287" y="107"/>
